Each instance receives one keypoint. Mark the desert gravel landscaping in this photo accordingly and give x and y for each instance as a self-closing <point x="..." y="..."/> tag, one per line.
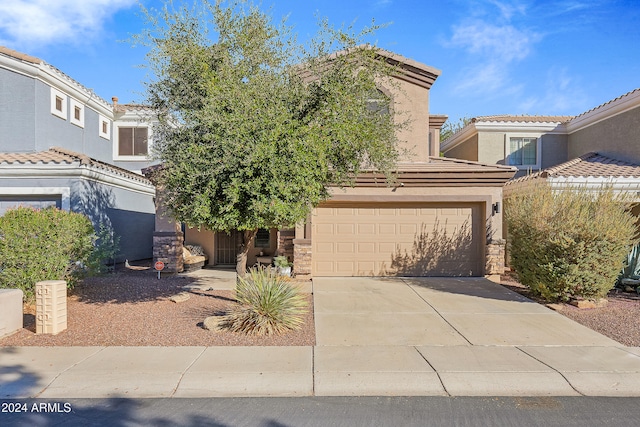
<point x="619" y="319"/>
<point x="133" y="308"/>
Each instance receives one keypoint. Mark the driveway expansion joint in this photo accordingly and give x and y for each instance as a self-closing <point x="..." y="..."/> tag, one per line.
<point x="554" y="369"/>
<point x="100" y="349"/>
<point x="182" y="374"/>
<point x="434" y="370"/>
<point x="436" y="310"/>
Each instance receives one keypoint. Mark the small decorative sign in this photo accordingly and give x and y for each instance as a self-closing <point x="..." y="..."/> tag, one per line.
<point x="159" y="266"/>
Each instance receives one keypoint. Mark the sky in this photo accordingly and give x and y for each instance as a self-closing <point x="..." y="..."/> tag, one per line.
<point x="541" y="57"/>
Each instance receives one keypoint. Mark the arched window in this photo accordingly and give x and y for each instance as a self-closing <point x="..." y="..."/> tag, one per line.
<point x="379" y="102"/>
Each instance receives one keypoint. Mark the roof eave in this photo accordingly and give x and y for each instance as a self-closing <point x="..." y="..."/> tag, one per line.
<point x="605" y="111"/>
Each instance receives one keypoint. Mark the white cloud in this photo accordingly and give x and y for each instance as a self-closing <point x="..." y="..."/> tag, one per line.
<point x="494" y="39"/>
<point x="572" y="6"/>
<point x="559" y="94"/>
<point x="508" y="9"/>
<point x="34" y="23"/>
<point x="504" y="43"/>
<point x="487" y="79"/>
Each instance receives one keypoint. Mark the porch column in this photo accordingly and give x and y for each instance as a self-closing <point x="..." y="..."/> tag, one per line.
<point x="494" y="259"/>
<point x="168" y="238"/>
<point x="302" y="252"/>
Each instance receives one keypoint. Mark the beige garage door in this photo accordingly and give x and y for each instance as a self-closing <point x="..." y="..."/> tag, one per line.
<point x="397" y="240"/>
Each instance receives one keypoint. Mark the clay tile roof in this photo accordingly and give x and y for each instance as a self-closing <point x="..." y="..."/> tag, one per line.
<point x="19" y="55"/>
<point x="522" y="119"/>
<point x="57" y="155"/>
<point x="136" y="107"/>
<point x="587" y="165"/>
<point x="609" y="102"/>
<point x="42" y="157"/>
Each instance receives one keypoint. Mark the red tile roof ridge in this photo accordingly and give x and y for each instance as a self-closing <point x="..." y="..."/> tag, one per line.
<point x="85" y="160"/>
<point x="523" y="118"/>
<point x="631" y="92"/>
<point x="587" y="165"/>
<point x="19" y="55"/>
<point x="58" y="155"/>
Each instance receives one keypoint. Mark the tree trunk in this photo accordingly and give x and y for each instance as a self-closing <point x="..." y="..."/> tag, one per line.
<point x="248" y="237"/>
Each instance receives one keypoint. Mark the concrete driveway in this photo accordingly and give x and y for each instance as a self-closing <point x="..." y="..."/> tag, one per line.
<point x="457" y="336"/>
<point x="438" y="311"/>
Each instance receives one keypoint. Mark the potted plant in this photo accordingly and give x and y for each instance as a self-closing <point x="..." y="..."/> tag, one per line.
<point x="283" y="265"/>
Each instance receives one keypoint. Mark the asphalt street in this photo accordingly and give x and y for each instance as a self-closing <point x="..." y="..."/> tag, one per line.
<point x="325" y="411"/>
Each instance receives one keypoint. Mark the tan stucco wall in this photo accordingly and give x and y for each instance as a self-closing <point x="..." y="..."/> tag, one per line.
<point x="270" y="250"/>
<point x="163" y="221"/>
<point x="617" y="137"/>
<point x="411" y="102"/>
<point x="554" y="150"/>
<point x="491" y="148"/>
<point x="467" y="150"/>
<point x="202" y="237"/>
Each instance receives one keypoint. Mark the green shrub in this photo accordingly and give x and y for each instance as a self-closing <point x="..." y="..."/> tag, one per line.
<point x="268" y="303"/>
<point x="106" y="248"/>
<point x="43" y="244"/>
<point x="570" y="243"/>
<point x="281" y="262"/>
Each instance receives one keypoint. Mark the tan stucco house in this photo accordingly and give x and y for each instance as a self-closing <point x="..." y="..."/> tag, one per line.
<point x="441" y="218"/>
<point x="536" y="143"/>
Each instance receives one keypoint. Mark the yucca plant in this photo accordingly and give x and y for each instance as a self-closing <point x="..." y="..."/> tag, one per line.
<point x="268" y="303"/>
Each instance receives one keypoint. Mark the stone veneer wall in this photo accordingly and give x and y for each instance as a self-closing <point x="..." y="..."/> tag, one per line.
<point x="167" y="247"/>
<point x="285" y="242"/>
<point x="495" y="257"/>
<point x="302" y="258"/>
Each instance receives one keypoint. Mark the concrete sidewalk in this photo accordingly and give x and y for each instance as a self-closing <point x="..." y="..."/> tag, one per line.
<point x="402" y="337"/>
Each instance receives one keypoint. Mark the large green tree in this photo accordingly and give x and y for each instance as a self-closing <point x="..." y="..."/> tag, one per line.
<point x="255" y="127"/>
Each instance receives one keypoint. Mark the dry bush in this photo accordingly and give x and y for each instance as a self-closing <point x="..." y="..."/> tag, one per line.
<point x="568" y="243"/>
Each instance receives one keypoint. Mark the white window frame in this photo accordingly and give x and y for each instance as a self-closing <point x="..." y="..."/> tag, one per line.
<point x="106" y="135"/>
<point x="55" y="93"/>
<point x="63" y="192"/>
<point x="507" y="149"/>
<point x="73" y="104"/>
<point x="116" y="142"/>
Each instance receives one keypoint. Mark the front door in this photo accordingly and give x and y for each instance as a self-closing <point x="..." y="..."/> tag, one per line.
<point x="226" y="247"/>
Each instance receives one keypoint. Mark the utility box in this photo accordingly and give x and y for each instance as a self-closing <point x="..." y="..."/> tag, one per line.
<point x="10" y="311"/>
<point x="51" y="306"/>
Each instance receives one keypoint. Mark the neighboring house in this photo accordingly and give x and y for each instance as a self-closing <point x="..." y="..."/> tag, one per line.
<point x="441" y="219"/>
<point x="596" y="148"/>
<point x="534" y="143"/>
<point x="105" y="193"/>
<point x="529" y="143"/>
<point x="591" y="170"/>
<point x="101" y="149"/>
